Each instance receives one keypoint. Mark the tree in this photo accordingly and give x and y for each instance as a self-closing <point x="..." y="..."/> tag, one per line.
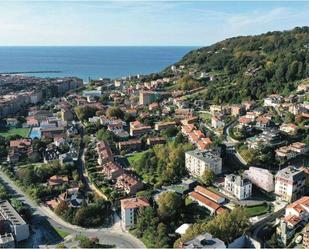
<point x="62" y="208"/>
<point x="226" y="226"/>
<point x="169" y="205"/>
<point x="162" y="240"/>
<point x="114" y="112"/>
<point x="85" y="112"/>
<point x="208" y="177"/>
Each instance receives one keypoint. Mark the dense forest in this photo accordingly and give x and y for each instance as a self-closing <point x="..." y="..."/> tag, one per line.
<point x="254" y="65"/>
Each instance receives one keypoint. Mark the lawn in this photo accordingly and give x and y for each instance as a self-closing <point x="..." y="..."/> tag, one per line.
<point x="135" y="157"/>
<point x="257" y="210"/>
<point x="206" y="117"/>
<point x="61" y="233"/>
<point x="23" y="132"/>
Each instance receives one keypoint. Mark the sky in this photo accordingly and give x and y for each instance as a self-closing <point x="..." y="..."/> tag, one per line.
<point x="142" y="23"/>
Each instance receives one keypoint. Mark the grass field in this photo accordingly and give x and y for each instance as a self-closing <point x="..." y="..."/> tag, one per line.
<point x="23" y="132"/>
<point x="257" y="210"/>
<point x="135" y="157"/>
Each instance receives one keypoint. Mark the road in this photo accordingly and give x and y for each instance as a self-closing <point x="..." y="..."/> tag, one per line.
<point x="112" y="236"/>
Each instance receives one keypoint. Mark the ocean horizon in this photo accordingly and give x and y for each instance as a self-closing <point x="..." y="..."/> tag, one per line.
<point x="89" y="62"/>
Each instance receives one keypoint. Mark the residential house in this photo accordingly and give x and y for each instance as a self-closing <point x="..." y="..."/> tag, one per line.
<point x="130" y="145"/>
<point x="289" y="184"/>
<point x="151" y="141"/>
<point x="129" y="184"/>
<point x="217" y="122"/>
<point x="160" y="126"/>
<point x="57" y="180"/>
<point x="129" y="210"/>
<point x="289" y="128"/>
<point x="238" y="186"/>
<point x="138" y="129"/>
<point x="11" y="122"/>
<point x="262" y="178"/>
<point x="296" y="216"/>
<point x="104" y="153"/>
<point x="112" y="170"/>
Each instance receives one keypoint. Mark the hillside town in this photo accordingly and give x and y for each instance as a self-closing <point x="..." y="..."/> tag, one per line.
<point x="154" y="160"/>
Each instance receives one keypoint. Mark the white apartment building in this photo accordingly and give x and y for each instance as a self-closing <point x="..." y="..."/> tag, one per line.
<point x="129" y="209"/>
<point x="198" y="161"/>
<point x="262" y="178"/>
<point x="290" y="184"/>
<point x="238" y="186"/>
<point x="18" y="226"/>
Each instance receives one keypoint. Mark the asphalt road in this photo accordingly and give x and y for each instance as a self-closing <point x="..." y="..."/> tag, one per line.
<point x="112" y="236"/>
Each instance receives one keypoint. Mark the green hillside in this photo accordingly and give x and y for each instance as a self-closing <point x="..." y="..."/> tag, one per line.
<point x="252" y="67"/>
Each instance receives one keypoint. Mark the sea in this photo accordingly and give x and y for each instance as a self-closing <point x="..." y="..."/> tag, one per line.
<point x="89" y="62"/>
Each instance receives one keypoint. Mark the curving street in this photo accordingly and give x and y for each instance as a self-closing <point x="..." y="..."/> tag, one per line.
<point x="112" y="236"/>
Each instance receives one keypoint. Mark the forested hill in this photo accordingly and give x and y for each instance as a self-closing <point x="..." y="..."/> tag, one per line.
<point x="252" y="67"/>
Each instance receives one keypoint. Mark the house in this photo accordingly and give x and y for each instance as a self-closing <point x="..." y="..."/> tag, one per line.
<point x="303" y="87"/>
<point x="198" y="161"/>
<point x="289" y="128"/>
<point x="73" y="197"/>
<point x="66" y="159"/>
<point x="292" y="150"/>
<point x="56" y="180"/>
<point x="160" y="126"/>
<point x="237" y="110"/>
<point x="306" y="237"/>
<point x="151" y="141"/>
<point x="238" y="186"/>
<point x="52" y="132"/>
<point x="11" y="122"/>
<point x="186" y="129"/>
<point x="32" y="121"/>
<point x="204" y="143"/>
<point x="245" y="121"/>
<point x="129" y="184"/>
<point x="262" y="178"/>
<point x="129" y="210"/>
<point x="19" y="148"/>
<point x="104" y="152"/>
<point x="263" y="122"/>
<point x="210" y="195"/>
<point x="59" y="141"/>
<point x="130" y="145"/>
<point x="153" y="106"/>
<point x="205" y="240"/>
<point x="296" y="216"/>
<point x="112" y="170"/>
<point x="67" y="115"/>
<point x="273" y="100"/>
<point x="189" y="120"/>
<point x="289" y="184"/>
<point x="138" y="129"/>
<point x="212" y="206"/>
<point x="217" y="122"/>
<point x="51" y="153"/>
<point x="148" y="97"/>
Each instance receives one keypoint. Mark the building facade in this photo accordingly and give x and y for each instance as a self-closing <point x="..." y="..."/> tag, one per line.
<point x="262" y="178"/>
<point x="198" y="161"/>
<point x="289" y="184"/>
<point x="238" y="186"/>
